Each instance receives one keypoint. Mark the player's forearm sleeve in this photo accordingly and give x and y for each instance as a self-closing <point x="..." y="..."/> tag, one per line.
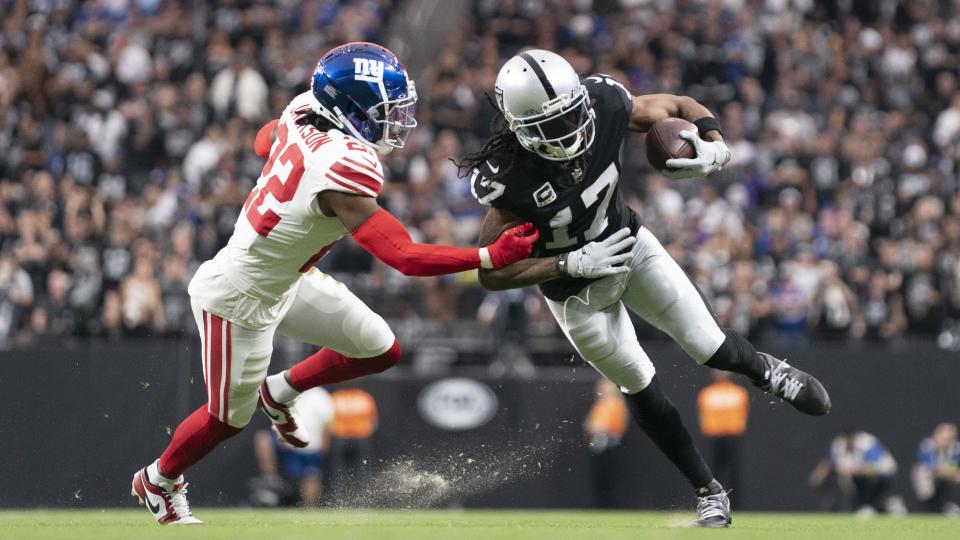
<point x="262" y="144"/>
<point x="386" y="239"/>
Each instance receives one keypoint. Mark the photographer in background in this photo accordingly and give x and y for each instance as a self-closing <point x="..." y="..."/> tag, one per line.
<point x="937" y="472"/>
<point x="865" y="472"/>
<point x="281" y="464"/>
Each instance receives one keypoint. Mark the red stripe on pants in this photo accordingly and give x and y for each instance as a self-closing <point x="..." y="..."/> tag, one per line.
<point x="205" y="342"/>
<point x="215" y="362"/>
<point x="226" y="389"/>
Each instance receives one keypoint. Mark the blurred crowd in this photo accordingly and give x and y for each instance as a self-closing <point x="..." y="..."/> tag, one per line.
<point x="126" y="127"/>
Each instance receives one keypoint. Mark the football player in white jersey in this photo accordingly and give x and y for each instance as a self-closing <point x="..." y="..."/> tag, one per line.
<point x="320" y="182"/>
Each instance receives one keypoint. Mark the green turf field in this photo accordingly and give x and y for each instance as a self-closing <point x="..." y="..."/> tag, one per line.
<point x="460" y="525"/>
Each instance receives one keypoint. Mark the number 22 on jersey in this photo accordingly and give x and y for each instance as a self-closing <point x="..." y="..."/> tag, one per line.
<point x="282" y="172"/>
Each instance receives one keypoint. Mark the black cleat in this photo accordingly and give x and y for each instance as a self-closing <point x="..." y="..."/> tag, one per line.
<point x="795" y="386"/>
<point x="713" y="510"/>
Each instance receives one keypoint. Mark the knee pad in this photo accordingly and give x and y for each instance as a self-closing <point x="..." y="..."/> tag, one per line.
<point x="241" y="405"/>
<point x="370" y="334"/>
<point x="693" y="327"/>
<point x="628" y="367"/>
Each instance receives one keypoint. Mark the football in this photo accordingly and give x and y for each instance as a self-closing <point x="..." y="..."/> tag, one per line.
<point x="664" y="142"/>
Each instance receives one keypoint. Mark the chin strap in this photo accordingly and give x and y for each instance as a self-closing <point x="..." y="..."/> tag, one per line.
<point x="562" y="152"/>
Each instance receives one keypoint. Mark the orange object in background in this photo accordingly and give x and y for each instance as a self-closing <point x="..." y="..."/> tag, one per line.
<point x="354" y="414"/>
<point x="608" y="415"/>
<point x="723" y="407"/>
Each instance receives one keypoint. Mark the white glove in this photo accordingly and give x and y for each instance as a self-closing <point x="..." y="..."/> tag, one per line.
<point x="602" y="258"/>
<point x="711" y="157"/>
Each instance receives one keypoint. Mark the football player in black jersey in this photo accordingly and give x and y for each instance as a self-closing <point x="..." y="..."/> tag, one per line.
<point x="553" y="160"/>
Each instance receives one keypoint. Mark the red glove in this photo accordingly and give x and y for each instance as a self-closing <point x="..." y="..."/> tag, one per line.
<point x="511" y="246"/>
<point x="263" y="142"/>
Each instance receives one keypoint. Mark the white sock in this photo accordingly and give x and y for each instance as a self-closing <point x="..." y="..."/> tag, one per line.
<point x="157" y="479"/>
<point x="280" y="389"/>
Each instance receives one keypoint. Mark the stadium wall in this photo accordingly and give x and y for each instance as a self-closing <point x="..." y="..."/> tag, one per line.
<point x="78" y="420"/>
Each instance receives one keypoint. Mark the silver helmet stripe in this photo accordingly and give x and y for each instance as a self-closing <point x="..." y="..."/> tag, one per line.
<point x="551" y="93"/>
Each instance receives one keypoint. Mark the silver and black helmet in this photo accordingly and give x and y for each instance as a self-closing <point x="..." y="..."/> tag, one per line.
<point x="545" y="105"/>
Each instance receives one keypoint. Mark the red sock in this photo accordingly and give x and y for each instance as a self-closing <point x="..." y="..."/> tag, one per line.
<point x="194" y="438"/>
<point x="328" y="366"/>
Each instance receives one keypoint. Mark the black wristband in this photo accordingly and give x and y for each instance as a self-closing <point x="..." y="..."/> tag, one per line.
<point x="708" y="123"/>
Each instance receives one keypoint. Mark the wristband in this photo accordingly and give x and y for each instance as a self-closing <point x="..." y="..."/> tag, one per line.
<point x="485" y="261"/>
<point x="708" y="123"/>
<point x="560" y="263"/>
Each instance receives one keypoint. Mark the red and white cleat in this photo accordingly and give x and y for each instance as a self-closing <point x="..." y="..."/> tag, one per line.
<point x="283" y="418"/>
<point x="169" y="507"/>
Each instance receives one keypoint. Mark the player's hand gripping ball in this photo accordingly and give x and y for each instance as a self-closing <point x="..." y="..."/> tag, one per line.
<point x="513" y="245"/>
<point x="674" y="147"/>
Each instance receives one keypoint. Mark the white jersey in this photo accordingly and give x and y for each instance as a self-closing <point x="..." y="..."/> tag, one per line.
<point x="281" y="231"/>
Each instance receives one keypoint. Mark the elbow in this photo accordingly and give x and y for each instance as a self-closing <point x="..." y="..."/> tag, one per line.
<point x="410" y="267"/>
<point x="405" y="267"/>
<point x="685" y="103"/>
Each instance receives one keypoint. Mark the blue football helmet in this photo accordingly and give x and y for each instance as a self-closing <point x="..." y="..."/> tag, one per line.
<point x="364" y="89"/>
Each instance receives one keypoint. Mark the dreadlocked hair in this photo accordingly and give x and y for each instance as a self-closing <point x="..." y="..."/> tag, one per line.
<point x="313" y="118"/>
<point x="502" y="141"/>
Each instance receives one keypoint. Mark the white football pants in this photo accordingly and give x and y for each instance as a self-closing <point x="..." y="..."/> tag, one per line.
<point x="657" y="289"/>
<point x="323" y="312"/>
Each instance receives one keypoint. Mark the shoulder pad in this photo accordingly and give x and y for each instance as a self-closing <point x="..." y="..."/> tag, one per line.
<point x="599" y="84"/>
<point x="353" y="168"/>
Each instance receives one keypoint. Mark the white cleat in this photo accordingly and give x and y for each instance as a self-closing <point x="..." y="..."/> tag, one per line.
<point x="169" y="507"/>
<point x="283" y="418"/>
<point x="713" y="511"/>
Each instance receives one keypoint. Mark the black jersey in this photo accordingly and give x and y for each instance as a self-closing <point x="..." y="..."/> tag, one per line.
<point x="571" y="203"/>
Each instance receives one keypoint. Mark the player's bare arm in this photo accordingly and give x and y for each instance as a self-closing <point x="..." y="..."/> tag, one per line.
<point x="383" y="236"/>
<point x="594" y="260"/>
<point x="522" y="273"/>
<point x="351" y="210"/>
<point x="654" y="107"/>
<point x="712" y="153"/>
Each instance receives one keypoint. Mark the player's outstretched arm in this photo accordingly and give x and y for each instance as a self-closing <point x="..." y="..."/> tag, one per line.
<point x="594" y="260"/>
<point x="384" y="237"/>
<point x="712" y="152"/>
<point x="522" y="273"/>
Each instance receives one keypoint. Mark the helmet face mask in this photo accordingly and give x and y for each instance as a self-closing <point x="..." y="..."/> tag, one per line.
<point x="562" y="131"/>
<point x="399" y="119"/>
<point x="545" y="105"/>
